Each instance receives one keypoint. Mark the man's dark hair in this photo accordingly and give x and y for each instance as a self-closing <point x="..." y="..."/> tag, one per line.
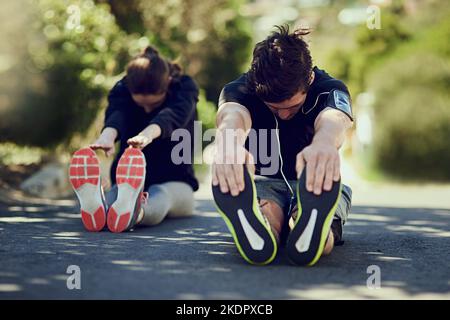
<point x="281" y="65"/>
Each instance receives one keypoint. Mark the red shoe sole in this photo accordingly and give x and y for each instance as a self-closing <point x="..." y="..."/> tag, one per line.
<point x="130" y="179"/>
<point x="84" y="176"/>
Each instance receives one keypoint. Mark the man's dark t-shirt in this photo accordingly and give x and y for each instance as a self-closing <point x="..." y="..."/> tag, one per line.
<point x="295" y="133"/>
<point x="177" y="111"/>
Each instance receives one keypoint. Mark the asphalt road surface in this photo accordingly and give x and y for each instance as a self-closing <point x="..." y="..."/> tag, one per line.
<point x="195" y="258"/>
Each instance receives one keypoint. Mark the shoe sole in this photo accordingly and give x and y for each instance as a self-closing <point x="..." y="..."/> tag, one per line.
<point x="254" y="239"/>
<point x="130" y="179"/>
<point x="315" y="215"/>
<point x="84" y="176"/>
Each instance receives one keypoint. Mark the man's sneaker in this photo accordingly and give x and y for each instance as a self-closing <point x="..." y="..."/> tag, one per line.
<point x="84" y="176"/>
<point x="312" y="223"/>
<point x="130" y="179"/>
<point x="249" y="227"/>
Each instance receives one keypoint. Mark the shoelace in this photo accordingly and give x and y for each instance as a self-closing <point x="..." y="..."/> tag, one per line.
<point x="144" y="197"/>
<point x="144" y="200"/>
<point x="102" y="194"/>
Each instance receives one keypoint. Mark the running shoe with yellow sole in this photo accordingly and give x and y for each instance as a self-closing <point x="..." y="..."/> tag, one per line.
<point x="249" y="227"/>
<point x="312" y="224"/>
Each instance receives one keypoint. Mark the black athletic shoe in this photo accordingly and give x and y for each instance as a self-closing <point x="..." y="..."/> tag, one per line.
<point x="250" y="229"/>
<point x="312" y="224"/>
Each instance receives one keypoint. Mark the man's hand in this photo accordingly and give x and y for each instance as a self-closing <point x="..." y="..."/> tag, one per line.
<point x="233" y="124"/>
<point x="322" y="155"/>
<point x="322" y="165"/>
<point x="139" y="141"/>
<point x="227" y="169"/>
<point x="106" y="141"/>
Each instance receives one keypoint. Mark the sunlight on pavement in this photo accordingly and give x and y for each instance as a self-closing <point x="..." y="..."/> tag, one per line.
<point x="189" y="296"/>
<point x="21" y="220"/>
<point x="367" y="217"/>
<point x="45" y="252"/>
<point x="217" y="242"/>
<point x="219" y="269"/>
<point x="67" y="234"/>
<point x="169" y="263"/>
<point x="217" y="252"/>
<point x="207" y="214"/>
<point x="361" y="291"/>
<point x="127" y="262"/>
<point x="29" y="209"/>
<point x="422" y="230"/>
<point x="385" y="258"/>
<point x="38" y="281"/>
<point x="9" y="287"/>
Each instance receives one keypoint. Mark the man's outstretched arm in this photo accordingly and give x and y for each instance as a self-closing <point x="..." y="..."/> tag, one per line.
<point x="233" y="124"/>
<point x="322" y="155"/>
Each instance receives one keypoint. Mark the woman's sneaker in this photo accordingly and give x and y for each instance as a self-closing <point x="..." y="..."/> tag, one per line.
<point x="312" y="222"/>
<point x="130" y="179"/>
<point x="84" y="176"/>
<point x="249" y="227"/>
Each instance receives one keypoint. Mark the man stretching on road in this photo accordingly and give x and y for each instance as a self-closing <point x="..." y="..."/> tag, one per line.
<point x="302" y="203"/>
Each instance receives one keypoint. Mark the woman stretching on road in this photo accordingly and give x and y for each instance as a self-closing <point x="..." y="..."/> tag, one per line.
<point x="145" y="107"/>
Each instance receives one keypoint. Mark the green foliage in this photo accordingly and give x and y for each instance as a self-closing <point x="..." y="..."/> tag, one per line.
<point x="412" y="116"/>
<point x="12" y="154"/>
<point x="74" y="49"/>
<point x="373" y="46"/>
<point x="128" y="14"/>
<point x="406" y="65"/>
<point x="339" y="64"/>
<point x="227" y="58"/>
<point x="206" y="112"/>
<point x="209" y="38"/>
<point x="412" y="109"/>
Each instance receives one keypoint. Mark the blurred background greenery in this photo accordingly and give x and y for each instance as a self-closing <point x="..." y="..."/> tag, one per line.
<point x="59" y="58"/>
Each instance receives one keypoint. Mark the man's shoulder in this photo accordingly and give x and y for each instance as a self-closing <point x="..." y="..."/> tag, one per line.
<point x="239" y="83"/>
<point x="238" y="91"/>
<point x="326" y="91"/>
<point x="323" y="82"/>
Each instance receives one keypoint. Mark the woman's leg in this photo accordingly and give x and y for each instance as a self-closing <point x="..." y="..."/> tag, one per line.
<point x="111" y="196"/>
<point x="182" y="199"/>
<point x="170" y="199"/>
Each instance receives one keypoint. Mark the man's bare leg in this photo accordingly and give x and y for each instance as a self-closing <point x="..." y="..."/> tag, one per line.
<point x="270" y="209"/>
<point x="274" y="214"/>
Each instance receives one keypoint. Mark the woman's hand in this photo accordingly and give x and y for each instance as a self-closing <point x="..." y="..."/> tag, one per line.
<point x="139" y="141"/>
<point x="145" y="137"/>
<point x="106" y="141"/>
